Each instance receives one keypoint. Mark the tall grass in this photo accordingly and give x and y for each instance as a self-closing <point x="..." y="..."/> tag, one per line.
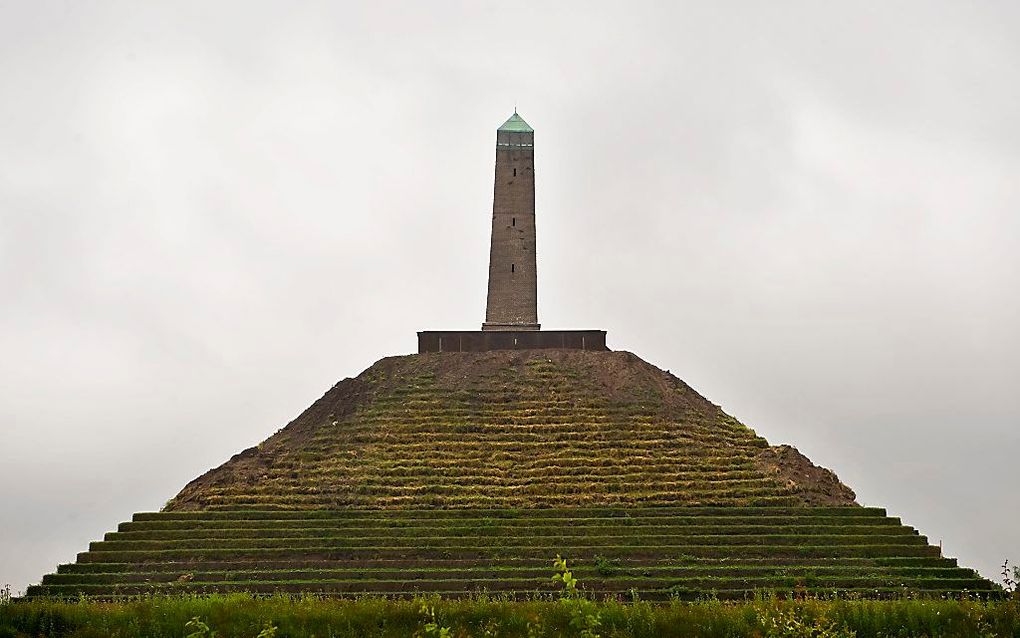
<point x="242" y="616"/>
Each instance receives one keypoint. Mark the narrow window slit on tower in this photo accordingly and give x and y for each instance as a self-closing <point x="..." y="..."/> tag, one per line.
<point x="512" y="267"/>
<point x="515" y="172"/>
<point x="513" y="221"/>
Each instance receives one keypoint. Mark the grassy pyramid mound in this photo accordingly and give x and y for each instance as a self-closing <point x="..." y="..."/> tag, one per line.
<point x="461" y="472"/>
<point x="512" y="429"/>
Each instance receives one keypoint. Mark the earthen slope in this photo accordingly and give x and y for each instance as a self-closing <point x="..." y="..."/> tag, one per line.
<point x="513" y="429"/>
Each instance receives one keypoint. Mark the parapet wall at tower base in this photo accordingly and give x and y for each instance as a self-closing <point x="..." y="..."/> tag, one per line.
<point x="479" y="341"/>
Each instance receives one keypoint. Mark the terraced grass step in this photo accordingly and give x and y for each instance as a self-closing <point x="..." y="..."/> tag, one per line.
<point x="487" y="551"/>
<point x="677" y="593"/>
<point x="483" y="529"/>
<point x="688" y="562"/>
<point x="467" y="501"/>
<point x="466" y="498"/>
<point x="586" y="458"/>
<point x="446" y="464"/>
<point x="408" y="587"/>
<point x="496" y="481"/>
<point x="486" y="459"/>
<point x="889" y="593"/>
<point x="542" y="429"/>
<point x="578" y="444"/>
<point x="722" y="525"/>
<point x="495" y="465"/>
<point x="387" y="587"/>
<point x="500" y="513"/>
<point x="443" y="462"/>
<point x="809" y="574"/>
<point x="331" y="543"/>
<point x="511" y="486"/>
<point x="552" y="430"/>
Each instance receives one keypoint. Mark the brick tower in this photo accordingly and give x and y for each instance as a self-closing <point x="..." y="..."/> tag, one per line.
<point x="511" y="310"/>
<point x="512" y="302"/>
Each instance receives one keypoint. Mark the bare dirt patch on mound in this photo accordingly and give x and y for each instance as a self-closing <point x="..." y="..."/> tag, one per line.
<point x="817" y="485"/>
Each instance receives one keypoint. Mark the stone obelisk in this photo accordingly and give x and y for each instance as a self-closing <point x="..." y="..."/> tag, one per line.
<point x="512" y="302"/>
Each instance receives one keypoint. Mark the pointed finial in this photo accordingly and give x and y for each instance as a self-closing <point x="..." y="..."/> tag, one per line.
<point x="516" y="123"/>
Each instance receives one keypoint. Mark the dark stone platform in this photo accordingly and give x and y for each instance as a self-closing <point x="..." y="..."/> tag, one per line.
<point x="484" y="341"/>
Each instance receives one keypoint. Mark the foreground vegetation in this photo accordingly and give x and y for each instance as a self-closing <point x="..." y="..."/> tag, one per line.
<point x="243" y="616"/>
<point x="568" y="611"/>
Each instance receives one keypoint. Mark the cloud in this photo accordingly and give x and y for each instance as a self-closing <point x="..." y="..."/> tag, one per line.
<point x="208" y="214"/>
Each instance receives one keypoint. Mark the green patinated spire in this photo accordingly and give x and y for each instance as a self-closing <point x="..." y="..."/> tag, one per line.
<point x="516" y="124"/>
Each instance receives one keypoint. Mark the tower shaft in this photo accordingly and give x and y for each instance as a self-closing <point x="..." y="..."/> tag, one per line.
<point x="512" y="302"/>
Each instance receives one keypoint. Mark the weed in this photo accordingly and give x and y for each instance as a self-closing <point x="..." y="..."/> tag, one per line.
<point x="268" y="632"/>
<point x="432" y="628"/>
<point x="782" y="622"/>
<point x="604" y="566"/>
<point x="198" y="629"/>
<point x="1010" y="577"/>
<point x="585" y="615"/>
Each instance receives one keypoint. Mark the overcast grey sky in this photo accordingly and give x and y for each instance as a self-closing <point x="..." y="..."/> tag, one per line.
<point x="212" y="211"/>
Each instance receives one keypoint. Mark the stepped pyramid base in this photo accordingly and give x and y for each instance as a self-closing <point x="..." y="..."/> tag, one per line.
<point x="455" y="473"/>
<point x="656" y="553"/>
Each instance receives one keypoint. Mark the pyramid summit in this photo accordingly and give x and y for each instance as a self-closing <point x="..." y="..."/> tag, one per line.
<point x="468" y="466"/>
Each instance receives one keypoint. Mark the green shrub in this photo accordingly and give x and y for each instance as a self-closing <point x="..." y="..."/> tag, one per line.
<point x="604" y="566"/>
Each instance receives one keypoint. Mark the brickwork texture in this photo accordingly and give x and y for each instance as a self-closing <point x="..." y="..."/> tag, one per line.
<point x="512" y="302"/>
